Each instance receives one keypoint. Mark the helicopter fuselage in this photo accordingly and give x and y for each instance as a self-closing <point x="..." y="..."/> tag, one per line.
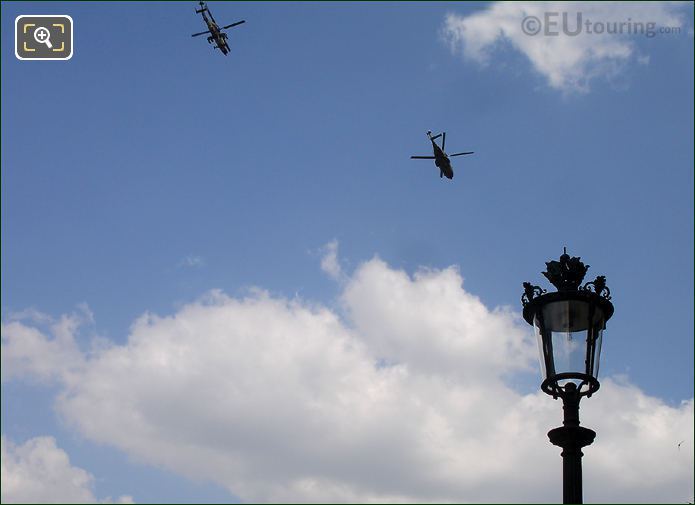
<point x="216" y="35"/>
<point x="442" y="160"/>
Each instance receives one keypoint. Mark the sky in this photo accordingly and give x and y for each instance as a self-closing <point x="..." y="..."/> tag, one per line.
<point x="224" y="280"/>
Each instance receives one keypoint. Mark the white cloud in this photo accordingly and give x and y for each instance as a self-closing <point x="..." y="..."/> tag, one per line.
<point x="40" y="472"/>
<point x="433" y="325"/>
<point x="405" y="398"/>
<point x="27" y="352"/>
<point x="568" y="62"/>
<point x="637" y="432"/>
<point x="329" y="261"/>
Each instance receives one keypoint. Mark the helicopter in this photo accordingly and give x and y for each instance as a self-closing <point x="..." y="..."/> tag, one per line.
<point x="216" y="33"/>
<point x="441" y="159"/>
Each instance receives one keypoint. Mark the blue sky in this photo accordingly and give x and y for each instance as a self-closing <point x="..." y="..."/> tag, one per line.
<point x="149" y="170"/>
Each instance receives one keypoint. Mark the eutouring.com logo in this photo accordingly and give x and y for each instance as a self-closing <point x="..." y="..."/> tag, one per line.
<point x="554" y="24"/>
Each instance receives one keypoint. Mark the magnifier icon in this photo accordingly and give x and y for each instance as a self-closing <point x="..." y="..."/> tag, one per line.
<point x="43" y="36"/>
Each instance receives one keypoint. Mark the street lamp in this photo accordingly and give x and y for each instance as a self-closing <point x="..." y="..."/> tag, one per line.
<point x="569" y="327"/>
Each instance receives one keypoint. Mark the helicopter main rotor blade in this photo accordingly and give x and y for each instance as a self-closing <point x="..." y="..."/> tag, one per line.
<point x="234" y="24"/>
<point x="201" y="33"/>
<point x="461" y="154"/>
<point x="422" y="157"/>
<point x="443" y="139"/>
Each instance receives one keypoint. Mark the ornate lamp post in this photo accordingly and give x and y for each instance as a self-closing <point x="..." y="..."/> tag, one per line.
<point x="569" y="327"/>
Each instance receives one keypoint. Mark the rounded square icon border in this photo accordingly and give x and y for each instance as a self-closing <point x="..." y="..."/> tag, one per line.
<point x="72" y="39"/>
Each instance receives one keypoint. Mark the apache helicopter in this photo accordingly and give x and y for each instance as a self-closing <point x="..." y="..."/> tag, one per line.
<point x="216" y="33"/>
<point x="441" y="159"/>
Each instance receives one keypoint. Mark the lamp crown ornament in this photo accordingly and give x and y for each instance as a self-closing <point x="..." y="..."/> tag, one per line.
<point x="566" y="274"/>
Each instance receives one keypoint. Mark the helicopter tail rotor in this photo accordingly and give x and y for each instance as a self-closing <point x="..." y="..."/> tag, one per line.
<point x="435" y="137"/>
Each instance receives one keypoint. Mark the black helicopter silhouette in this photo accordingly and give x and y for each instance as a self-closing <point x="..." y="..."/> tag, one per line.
<point x="216" y="33"/>
<point x="441" y="159"/>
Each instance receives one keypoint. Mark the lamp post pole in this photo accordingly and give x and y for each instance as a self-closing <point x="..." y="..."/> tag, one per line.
<point x="571" y="437"/>
<point x="569" y="327"/>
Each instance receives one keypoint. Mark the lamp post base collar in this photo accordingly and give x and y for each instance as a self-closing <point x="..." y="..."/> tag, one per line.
<point x="571" y="437"/>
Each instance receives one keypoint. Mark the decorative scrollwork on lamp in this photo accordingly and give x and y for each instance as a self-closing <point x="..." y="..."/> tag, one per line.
<point x="599" y="287"/>
<point x="530" y="292"/>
